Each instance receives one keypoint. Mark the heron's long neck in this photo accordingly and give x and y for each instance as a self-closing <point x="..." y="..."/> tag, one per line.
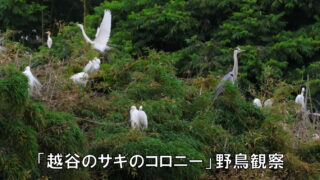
<point x="85" y="36"/>
<point x="48" y="35"/>
<point x="235" y="66"/>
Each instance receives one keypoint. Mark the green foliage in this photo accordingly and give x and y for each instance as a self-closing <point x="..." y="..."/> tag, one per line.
<point x="310" y="152"/>
<point x="11" y="13"/>
<point x="62" y="135"/>
<point x="315" y="93"/>
<point x="250" y="22"/>
<point x="247" y="115"/>
<point x="28" y="128"/>
<point x="17" y="134"/>
<point x="168" y="56"/>
<point x="13" y="91"/>
<point x="137" y="144"/>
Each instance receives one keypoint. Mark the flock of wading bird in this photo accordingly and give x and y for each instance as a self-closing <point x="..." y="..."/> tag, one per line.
<point x="138" y="118"/>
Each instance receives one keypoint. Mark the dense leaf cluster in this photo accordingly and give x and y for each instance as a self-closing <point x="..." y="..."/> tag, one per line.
<point x="168" y="56"/>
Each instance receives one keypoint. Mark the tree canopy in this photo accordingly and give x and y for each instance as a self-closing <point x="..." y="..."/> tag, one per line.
<point x="167" y="56"/>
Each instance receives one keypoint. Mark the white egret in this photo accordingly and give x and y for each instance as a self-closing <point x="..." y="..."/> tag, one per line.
<point x="268" y="103"/>
<point x="231" y="76"/>
<point x="34" y="84"/>
<point x="80" y="78"/>
<point x="102" y="35"/>
<point x="143" y="119"/>
<point x="98" y="29"/>
<point x="49" y="41"/>
<point x="257" y="102"/>
<point x="138" y="118"/>
<point x="93" y="66"/>
<point x="315" y="136"/>
<point x="300" y="99"/>
<point x="134" y="117"/>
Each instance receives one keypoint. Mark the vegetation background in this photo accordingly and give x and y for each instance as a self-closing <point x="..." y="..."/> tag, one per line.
<point x="168" y="56"/>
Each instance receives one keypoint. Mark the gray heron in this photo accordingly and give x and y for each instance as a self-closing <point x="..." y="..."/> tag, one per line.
<point x="231" y="76"/>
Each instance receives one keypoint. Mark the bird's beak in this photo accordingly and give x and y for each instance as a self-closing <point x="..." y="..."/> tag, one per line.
<point x="242" y="50"/>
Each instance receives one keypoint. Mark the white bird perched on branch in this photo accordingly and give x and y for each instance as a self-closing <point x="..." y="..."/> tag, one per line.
<point x="138" y="118"/>
<point x="80" y="78"/>
<point x="231" y="76"/>
<point x="300" y="99"/>
<point x="143" y="118"/>
<point x="92" y="66"/>
<point x="49" y="41"/>
<point x="102" y="35"/>
<point x="134" y="117"/>
<point x="257" y="102"/>
<point x="315" y="136"/>
<point x="34" y="84"/>
<point x="266" y="103"/>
